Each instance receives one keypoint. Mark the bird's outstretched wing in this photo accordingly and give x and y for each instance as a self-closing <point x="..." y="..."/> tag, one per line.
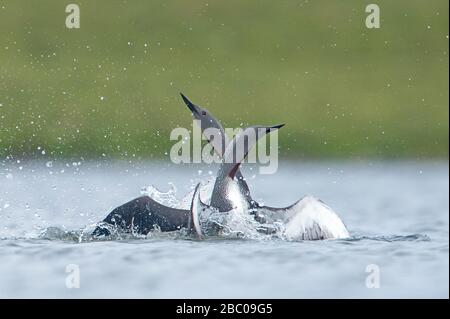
<point x="311" y="219"/>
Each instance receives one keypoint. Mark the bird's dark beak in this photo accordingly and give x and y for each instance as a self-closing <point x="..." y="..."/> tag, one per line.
<point x="194" y="108"/>
<point x="274" y="128"/>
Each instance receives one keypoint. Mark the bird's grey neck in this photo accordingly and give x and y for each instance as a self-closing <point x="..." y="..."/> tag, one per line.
<point x="221" y="196"/>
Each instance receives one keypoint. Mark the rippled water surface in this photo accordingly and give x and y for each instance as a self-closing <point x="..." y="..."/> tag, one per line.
<point x="397" y="213"/>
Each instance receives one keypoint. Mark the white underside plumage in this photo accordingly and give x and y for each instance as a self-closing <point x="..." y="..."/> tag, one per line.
<point x="196" y="213"/>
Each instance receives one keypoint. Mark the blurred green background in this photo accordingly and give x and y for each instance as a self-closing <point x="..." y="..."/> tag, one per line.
<point x="110" y="89"/>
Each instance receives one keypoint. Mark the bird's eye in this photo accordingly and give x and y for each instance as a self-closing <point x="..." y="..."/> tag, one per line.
<point x="203" y="113"/>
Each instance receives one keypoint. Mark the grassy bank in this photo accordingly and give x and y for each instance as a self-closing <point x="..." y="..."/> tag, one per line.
<point x="111" y="87"/>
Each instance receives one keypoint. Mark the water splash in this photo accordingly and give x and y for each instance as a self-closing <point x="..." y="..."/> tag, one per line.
<point x="84" y="235"/>
<point x="168" y="198"/>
